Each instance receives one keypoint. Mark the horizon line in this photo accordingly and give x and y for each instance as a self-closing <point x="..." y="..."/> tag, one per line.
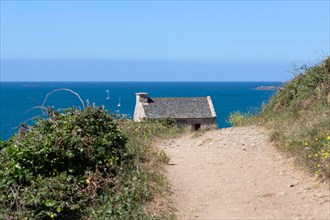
<point x="126" y="81"/>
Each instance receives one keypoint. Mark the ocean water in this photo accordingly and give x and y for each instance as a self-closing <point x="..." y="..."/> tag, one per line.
<point x="20" y="100"/>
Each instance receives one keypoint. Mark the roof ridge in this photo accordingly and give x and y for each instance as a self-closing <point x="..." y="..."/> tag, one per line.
<point x="178" y="97"/>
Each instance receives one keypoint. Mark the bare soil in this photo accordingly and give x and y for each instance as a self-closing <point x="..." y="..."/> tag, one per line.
<point x="236" y="173"/>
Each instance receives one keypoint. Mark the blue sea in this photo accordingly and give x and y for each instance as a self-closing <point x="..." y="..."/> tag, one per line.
<point x="20" y="100"/>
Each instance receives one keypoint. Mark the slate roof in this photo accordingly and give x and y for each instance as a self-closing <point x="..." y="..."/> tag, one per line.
<point x="196" y="107"/>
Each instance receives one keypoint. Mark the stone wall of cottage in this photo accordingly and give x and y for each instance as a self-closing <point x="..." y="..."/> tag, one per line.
<point x="205" y="123"/>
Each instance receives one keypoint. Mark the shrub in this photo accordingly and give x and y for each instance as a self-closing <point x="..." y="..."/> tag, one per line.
<point x="61" y="165"/>
<point x="82" y="165"/>
<point x="238" y="118"/>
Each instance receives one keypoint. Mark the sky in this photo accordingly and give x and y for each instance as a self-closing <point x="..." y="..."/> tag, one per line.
<point x="161" y="40"/>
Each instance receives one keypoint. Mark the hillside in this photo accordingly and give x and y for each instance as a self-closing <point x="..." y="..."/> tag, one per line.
<point x="299" y="117"/>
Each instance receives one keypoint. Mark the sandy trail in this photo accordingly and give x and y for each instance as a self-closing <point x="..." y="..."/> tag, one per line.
<point x="236" y="173"/>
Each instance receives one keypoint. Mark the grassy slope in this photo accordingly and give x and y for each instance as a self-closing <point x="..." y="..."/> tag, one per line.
<point x="299" y="117"/>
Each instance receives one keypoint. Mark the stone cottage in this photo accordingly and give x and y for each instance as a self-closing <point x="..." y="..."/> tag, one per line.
<point x="195" y="112"/>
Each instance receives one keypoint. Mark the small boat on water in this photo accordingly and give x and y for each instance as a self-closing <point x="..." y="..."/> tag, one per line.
<point x="119" y="102"/>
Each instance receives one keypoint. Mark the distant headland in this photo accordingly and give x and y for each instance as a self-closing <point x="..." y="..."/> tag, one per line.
<point x="268" y="88"/>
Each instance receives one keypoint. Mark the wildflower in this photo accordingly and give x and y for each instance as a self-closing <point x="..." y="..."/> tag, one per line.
<point x="328" y="138"/>
<point x="316" y="155"/>
<point x="306" y="144"/>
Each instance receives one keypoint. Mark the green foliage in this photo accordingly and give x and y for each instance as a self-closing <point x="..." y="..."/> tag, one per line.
<point x="317" y="151"/>
<point x="238" y="118"/>
<point x="299" y="116"/>
<point x="311" y="85"/>
<point x="142" y="177"/>
<point x="81" y="165"/>
<point x="140" y="141"/>
<point x="60" y="165"/>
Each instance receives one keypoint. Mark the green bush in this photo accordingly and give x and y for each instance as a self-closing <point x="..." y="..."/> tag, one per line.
<point x="82" y="165"/>
<point x="238" y="118"/>
<point x="61" y="165"/>
<point x="142" y="177"/>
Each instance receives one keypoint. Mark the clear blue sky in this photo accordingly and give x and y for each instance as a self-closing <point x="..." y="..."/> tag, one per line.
<point x="161" y="40"/>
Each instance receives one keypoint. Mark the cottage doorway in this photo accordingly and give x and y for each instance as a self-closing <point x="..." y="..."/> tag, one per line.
<point x="196" y="127"/>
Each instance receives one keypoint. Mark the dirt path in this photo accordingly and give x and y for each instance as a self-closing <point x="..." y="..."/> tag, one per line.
<point x="236" y="173"/>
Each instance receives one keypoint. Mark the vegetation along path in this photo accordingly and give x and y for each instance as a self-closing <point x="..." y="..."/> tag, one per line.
<point x="236" y="173"/>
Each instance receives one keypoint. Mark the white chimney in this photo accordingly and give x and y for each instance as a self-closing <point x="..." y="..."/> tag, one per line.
<point x="142" y="97"/>
<point x="141" y="100"/>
